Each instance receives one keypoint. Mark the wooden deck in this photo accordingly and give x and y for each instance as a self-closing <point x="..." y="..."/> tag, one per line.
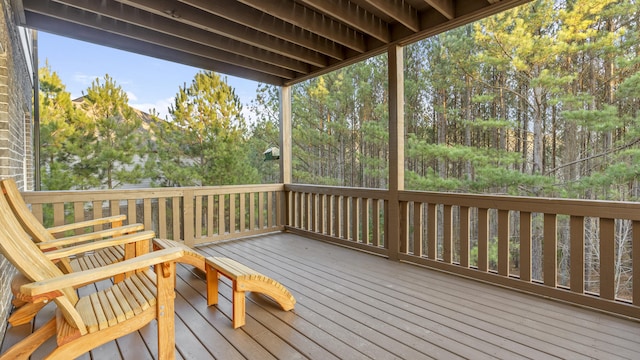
<point x="352" y="305"/>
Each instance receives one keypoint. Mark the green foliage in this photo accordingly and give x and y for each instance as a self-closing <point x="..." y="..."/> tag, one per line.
<point x="265" y="133"/>
<point x="109" y="138"/>
<point x="56" y="127"/>
<point x="204" y="141"/>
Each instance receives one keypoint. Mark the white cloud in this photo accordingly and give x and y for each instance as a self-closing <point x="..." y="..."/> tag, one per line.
<point x="84" y="79"/>
<point x="132" y="96"/>
<point x="161" y="107"/>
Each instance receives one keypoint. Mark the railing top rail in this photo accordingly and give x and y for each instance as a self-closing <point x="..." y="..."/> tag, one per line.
<point x="148" y="193"/>
<point x="339" y="191"/>
<point x="576" y="207"/>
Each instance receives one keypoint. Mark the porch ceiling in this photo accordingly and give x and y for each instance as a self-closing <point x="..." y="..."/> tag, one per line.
<point x="280" y="42"/>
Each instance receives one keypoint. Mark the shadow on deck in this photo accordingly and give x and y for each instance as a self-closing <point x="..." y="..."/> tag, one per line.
<point x="352" y="305"/>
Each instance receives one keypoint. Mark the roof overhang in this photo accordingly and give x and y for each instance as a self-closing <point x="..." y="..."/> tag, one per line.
<point x="280" y="42"/>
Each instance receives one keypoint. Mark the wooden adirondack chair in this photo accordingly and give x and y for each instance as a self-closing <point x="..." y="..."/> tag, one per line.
<point x="90" y="258"/>
<point x="82" y="324"/>
<point x="45" y="237"/>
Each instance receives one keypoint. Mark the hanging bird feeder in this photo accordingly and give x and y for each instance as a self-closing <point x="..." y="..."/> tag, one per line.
<point x="272" y="153"/>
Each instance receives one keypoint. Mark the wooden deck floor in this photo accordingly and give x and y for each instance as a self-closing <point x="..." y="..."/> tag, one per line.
<point x="352" y="305"/>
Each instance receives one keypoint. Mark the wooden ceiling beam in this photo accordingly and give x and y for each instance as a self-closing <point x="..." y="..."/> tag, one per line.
<point x="95" y="36"/>
<point x="354" y="16"/>
<point x="245" y="15"/>
<point x="81" y="17"/>
<point x="312" y="21"/>
<point x="444" y="7"/>
<point x="398" y="10"/>
<point x="195" y="17"/>
<point x="154" y="22"/>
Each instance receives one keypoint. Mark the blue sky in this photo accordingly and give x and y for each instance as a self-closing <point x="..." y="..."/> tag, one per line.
<point x="149" y="82"/>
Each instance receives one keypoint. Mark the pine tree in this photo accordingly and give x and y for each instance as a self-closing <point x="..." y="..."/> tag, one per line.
<point x="110" y="148"/>
<point x="204" y="141"/>
<point x="56" y="128"/>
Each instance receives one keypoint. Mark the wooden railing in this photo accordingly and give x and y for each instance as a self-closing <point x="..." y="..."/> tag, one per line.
<point x="573" y="250"/>
<point x="353" y="216"/>
<point x="194" y="214"/>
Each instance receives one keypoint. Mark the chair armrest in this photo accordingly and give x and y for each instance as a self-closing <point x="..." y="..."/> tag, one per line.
<point x="87" y="223"/>
<point x="72" y="240"/>
<point x="40" y="288"/>
<point x="99" y="244"/>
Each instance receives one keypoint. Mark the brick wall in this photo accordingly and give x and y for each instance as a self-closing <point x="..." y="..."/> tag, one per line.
<point x="15" y="127"/>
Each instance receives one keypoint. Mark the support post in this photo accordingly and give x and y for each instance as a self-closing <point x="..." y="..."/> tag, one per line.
<point x="396" y="148"/>
<point x="285" y="147"/>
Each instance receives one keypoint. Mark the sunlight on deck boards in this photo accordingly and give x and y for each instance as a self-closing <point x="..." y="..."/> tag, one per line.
<point x="352" y="305"/>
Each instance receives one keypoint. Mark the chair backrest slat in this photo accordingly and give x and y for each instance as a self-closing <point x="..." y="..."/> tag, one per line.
<point x="29" y="222"/>
<point x="23" y="253"/>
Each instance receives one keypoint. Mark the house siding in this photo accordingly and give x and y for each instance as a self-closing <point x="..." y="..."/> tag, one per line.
<point x="15" y="125"/>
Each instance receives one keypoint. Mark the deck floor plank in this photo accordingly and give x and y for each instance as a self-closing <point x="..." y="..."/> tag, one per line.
<point x="516" y="305"/>
<point x="485" y="314"/>
<point x="414" y="319"/>
<point x="352" y="305"/>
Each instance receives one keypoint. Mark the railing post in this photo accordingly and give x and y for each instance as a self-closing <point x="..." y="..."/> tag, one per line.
<point x="285" y="152"/>
<point x="188" y="223"/>
<point x="396" y="149"/>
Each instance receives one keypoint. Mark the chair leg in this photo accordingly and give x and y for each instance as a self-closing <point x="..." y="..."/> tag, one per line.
<point x="25" y="313"/>
<point x="212" y="286"/>
<point x="165" y="279"/>
<point x="239" y="305"/>
<point x="28" y="345"/>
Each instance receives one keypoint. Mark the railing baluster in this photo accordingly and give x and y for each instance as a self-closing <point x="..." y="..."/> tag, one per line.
<point x="309" y="212"/>
<point x="464" y="236"/>
<point x="252" y="211"/>
<point x="279" y="208"/>
<point x="222" y="207"/>
<point x="346" y="212"/>
<point x="635" y="245"/>
<point x="261" y="210"/>
<point x="232" y="213"/>
<point x="132" y="211"/>
<point x="329" y="218"/>
<point x="432" y="231"/>
<point x="607" y="259"/>
<point x="210" y="216"/>
<point x="114" y="207"/>
<point x="549" y="250"/>
<point x="162" y="217"/>
<point x="525" y="246"/>
<point x="78" y="214"/>
<point x="483" y="239"/>
<point x="576" y="274"/>
<point x="503" y="243"/>
<point x="447" y="246"/>
<point x="270" y="212"/>
<point x="375" y="234"/>
<point x="97" y="213"/>
<point x="243" y="211"/>
<point x="175" y="209"/>
<point x="365" y="216"/>
<point x="337" y="215"/>
<point x="404" y="227"/>
<point x="417" y="228"/>
<point x="321" y="213"/>
<point x="198" y="214"/>
<point x="146" y="208"/>
<point x="355" y="218"/>
<point x="189" y="221"/>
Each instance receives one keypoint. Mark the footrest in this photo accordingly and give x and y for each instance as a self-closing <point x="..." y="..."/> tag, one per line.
<point x="243" y="279"/>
